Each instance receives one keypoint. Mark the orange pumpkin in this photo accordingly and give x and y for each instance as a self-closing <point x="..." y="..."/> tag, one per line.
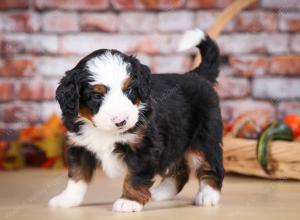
<point x="293" y="121"/>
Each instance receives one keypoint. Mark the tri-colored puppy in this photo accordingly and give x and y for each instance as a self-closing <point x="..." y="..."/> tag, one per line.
<point x="139" y="125"/>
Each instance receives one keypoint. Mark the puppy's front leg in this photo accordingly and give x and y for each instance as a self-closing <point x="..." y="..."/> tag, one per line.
<point x="81" y="166"/>
<point x="135" y="194"/>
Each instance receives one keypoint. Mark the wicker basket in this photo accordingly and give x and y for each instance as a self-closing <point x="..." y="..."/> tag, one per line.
<point x="240" y="157"/>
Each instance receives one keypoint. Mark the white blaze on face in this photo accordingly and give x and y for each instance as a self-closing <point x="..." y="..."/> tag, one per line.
<point x="111" y="71"/>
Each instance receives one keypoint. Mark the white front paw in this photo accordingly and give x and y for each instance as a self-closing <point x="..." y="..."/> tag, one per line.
<point x="207" y="197"/>
<point x="72" y="196"/>
<point x="126" y="205"/>
<point x="64" y="201"/>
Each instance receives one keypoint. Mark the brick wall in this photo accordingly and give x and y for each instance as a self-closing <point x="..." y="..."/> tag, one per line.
<point x="40" y="39"/>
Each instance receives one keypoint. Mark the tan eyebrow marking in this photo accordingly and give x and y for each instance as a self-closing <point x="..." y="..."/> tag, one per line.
<point x="86" y="113"/>
<point x="126" y="84"/>
<point x="100" y="88"/>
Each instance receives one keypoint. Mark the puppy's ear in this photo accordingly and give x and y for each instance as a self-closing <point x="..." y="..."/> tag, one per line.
<point x="144" y="82"/>
<point x="67" y="95"/>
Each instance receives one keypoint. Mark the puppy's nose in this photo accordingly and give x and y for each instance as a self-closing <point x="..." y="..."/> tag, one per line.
<point x="121" y="124"/>
<point x="120" y="121"/>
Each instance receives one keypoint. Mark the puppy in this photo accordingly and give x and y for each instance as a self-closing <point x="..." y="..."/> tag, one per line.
<point x="140" y="125"/>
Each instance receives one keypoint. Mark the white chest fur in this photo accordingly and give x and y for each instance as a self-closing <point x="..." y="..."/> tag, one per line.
<point x="102" y="144"/>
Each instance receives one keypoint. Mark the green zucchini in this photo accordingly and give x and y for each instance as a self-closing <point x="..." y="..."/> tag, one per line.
<point x="276" y="131"/>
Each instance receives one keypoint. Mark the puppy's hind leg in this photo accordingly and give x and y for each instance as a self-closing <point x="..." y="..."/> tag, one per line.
<point x="210" y="181"/>
<point x="82" y="164"/>
<point x="207" y="155"/>
<point x="172" y="183"/>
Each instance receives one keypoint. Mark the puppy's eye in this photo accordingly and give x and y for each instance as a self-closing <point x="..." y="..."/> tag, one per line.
<point x="97" y="96"/>
<point x="129" y="91"/>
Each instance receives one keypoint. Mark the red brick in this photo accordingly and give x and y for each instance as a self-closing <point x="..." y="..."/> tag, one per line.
<point x="148" y="44"/>
<point x="249" y="65"/>
<point x="175" y="20"/>
<point x="20" y="112"/>
<point x="20" y="22"/>
<point x="229" y="87"/>
<point x="6" y="90"/>
<point x="14" y="4"/>
<point x="156" y="44"/>
<point x="56" y="21"/>
<point x="289" y="21"/>
<point x="231" y="109"/>
<point x="36" y="91"/>
<point x="168" y="64"/>
<point x="25" y="43"/>
<point x="285" y="65"/>
<point x="276" y="88"/>
<point x="19" y="67"/>
<point x="147" y="4"/>
<point x="72" y="5"/>
<point x="98" y="22"/>
<point x="285" y="108"/>
<point x="255" y="21"/>
<point x="295" y="43"/>
<point x="242" y="43"/>
<point x="280" y="4"/>
<point x="137" y="22"/>
<point x="208" y="3"/>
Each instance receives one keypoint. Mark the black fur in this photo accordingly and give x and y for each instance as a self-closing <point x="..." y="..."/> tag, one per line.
<point x="182" y="114"/>
<point x="188" y="118"/>
<point x="82" y="163"/>
<point x="209" y="67"/>
<point x="67" y="95"/>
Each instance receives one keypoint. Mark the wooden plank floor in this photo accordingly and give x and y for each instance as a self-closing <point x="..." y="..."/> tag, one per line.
<point x="24" y="195"/>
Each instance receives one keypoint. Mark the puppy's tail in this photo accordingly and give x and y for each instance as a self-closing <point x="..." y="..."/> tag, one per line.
<point x="209" y="67"/>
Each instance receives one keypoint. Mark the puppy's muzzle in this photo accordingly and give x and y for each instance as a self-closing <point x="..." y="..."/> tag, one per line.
<point x="120" y="121"/>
